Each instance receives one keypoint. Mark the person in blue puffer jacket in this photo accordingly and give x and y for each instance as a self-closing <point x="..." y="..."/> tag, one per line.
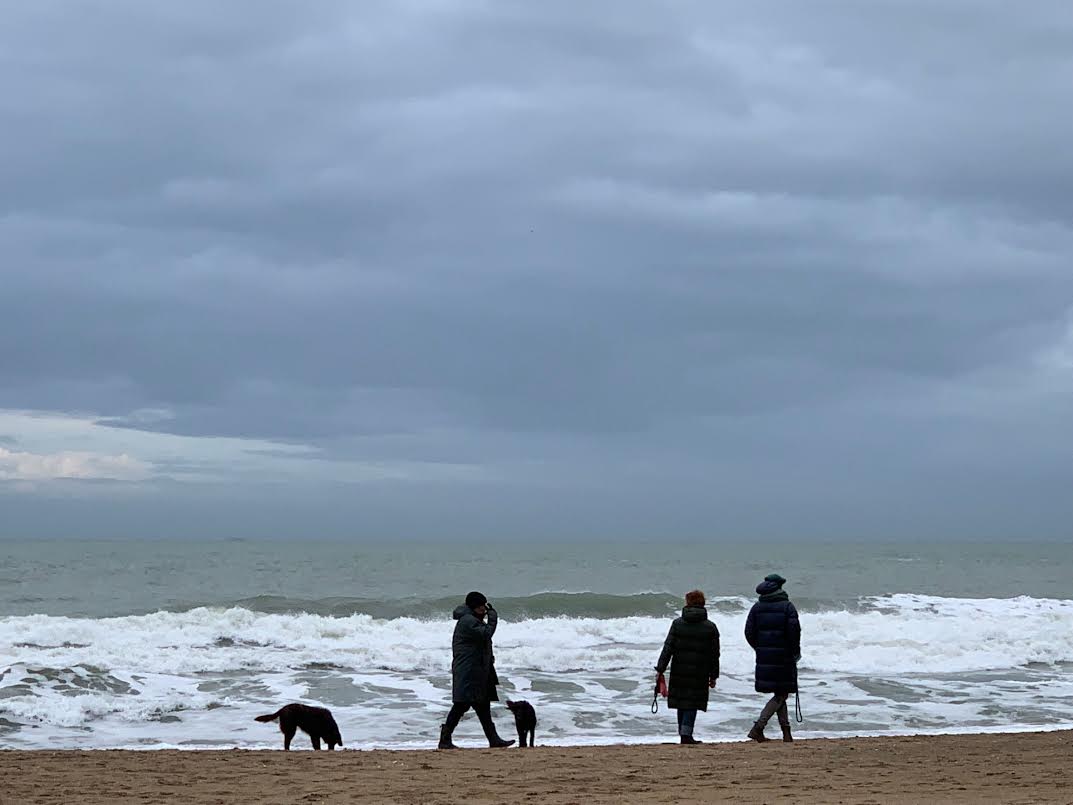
<point x="773" y="629"/>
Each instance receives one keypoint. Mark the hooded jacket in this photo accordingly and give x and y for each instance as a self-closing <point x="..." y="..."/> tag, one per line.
<point x="773" y="629"/>
<point x="473" y="676"/>
<point x="692" y="650"/>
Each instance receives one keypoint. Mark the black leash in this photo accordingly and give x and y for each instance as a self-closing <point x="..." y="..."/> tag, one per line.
<point x="797" y="708"/>
<point x="655" y="694"/>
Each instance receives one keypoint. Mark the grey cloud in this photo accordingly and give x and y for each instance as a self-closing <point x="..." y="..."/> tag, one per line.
<point x="548" y="238"/>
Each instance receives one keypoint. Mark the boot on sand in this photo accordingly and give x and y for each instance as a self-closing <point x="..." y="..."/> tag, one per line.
<point x="494" y="741"/>
<point x="757" y="733"/>
<point x="786" y="736"/>
<point x="689" y="740"/>
<point x="445" y="739"/>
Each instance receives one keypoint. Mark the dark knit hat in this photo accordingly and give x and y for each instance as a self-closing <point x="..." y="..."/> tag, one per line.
<point x="775" y="578"/>
<point x="475" y="599"/>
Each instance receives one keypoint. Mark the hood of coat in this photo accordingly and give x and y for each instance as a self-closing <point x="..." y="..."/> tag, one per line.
<point x="694" y="614"/>
<point x="461" y="610"/>
<point x="771" y="591"/>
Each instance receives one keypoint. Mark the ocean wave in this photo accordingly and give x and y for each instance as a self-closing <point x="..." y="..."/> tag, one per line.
<point x="546" y="604"/>
<point x="889" y="634"/>
<point x="900" y="662"/>
<point x="908" y="633"/>
<point x="539" y="605"/>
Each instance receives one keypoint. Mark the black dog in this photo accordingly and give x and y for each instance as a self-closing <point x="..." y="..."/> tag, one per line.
<point x="316" y="722"/>
<point x="524" y="720"/>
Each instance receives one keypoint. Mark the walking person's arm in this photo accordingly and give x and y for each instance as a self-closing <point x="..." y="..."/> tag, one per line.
<point x="476" y="629"/>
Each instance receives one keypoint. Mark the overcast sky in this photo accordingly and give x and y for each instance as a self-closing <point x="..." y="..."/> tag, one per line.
<point x="436" y="268"/>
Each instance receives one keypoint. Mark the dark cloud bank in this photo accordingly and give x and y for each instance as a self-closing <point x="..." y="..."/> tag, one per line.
<point x="675" y="270"/>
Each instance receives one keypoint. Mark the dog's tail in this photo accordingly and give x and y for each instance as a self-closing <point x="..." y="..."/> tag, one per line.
<point x="266" y="719"/>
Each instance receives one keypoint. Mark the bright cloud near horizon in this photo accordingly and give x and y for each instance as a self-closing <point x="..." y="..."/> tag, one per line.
<point x="515" y="270"/>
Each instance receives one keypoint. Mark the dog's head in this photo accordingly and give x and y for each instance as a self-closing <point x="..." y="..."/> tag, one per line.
<point x="335" y="738"/>
<point x="513" y="706"/>
<point x="332" y="736"/>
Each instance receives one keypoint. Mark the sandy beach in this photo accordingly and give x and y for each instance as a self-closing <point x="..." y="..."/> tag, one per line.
<point x="1013" y="768"/>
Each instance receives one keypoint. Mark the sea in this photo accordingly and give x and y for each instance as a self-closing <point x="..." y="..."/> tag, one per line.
<point x="179" y="644"/>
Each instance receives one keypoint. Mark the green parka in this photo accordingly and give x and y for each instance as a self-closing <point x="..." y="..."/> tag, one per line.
<point x="692" y="651"/>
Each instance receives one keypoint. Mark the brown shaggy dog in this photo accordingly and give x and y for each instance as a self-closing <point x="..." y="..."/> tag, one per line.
<point x="316" y="722"/>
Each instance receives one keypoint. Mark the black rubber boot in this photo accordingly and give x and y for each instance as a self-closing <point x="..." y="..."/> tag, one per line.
<point x="489" y="727"/>
<point x="757" y="733"/>
<point x="690" y="740"/>
<point x="786" y="736"/>
<point x="445" y="739"/>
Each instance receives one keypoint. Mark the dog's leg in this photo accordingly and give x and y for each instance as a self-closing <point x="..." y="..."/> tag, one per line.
<point x="316" y="741"/>
<point x="288" y="736"/>
<point x="521" y="737"/>
<point x="532" y="737"/>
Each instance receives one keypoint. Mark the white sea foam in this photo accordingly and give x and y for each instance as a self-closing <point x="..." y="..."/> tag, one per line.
<point x="906" y="663"/>
<point x="927" y="634"/>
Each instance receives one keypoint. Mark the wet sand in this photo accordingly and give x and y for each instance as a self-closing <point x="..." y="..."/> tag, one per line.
<point x="1013" y="768"/>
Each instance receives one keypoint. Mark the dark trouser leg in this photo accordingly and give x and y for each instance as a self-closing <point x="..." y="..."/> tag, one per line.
<point x="458" y="709"/>
<point x="484" y="713"/>
<point x="777" y="704"/>
<point x="686" y="720"/>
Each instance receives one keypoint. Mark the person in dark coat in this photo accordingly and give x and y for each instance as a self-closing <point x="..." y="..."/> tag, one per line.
<point x="692" y="650"/>
<point x="473" y="673"/>
<point x="773" y="629"/>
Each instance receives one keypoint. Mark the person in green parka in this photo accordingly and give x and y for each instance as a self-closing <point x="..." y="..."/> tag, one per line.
<point x="473" y="672"/>
<point x="692" y="651"/>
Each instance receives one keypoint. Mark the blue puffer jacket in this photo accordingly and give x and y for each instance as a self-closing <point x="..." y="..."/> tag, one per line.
<point x="774" y="631"/>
